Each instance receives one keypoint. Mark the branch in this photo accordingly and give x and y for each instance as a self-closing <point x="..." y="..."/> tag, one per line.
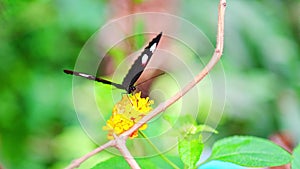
<point x="76" y="163"/>
<point x="120" y="141"/>
<point x="121" y="146"/>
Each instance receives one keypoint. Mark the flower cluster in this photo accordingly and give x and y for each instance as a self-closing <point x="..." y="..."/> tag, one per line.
<point x="126" y="113"/>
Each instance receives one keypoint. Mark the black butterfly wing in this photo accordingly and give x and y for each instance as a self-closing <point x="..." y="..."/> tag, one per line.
<point x="140" y="64"/>
<point x="91" y="77"/>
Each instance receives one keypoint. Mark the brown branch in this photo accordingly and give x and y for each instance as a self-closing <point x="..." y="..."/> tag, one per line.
<point x="76" y="163"/>
<point x="120" y="142"/>
<point x="121" y="146"/>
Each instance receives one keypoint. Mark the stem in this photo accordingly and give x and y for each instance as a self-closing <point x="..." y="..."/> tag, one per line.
<point x="157" y="150"/>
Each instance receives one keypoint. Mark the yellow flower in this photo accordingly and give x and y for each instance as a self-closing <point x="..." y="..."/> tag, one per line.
<point x="126" y="113"/>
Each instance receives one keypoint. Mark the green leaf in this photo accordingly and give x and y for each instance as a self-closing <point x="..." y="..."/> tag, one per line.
<point x="190" y="151"/>
<point x="249" y="151"/>
<point x="296" y="158"/>
<point x="205" y="128"/>
<point x="119" y="162"/>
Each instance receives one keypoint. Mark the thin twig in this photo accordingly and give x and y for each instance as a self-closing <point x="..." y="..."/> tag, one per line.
<point x="76" y="163"/>
<point x="120" y="141"/>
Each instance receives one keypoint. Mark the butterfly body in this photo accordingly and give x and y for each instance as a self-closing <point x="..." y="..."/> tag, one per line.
<point x="134" y="72"/>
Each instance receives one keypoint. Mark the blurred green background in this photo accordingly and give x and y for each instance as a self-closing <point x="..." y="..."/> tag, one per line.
<point x="39" y="38"/>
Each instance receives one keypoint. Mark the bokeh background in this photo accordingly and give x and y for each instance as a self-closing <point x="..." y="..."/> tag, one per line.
<point x="39" y="38"/>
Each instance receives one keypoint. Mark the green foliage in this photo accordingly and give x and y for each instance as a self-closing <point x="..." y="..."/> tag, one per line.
<point x="249" y="151"/>
<point x="186" y="124"/>
<point x="117" y="54"/>
<point x="296" y="158"/>
<point x="38" y="40"/>
<point x="246" y="151"/>
<point x="191" y="146"/>
<point x="204" y="128"/>
<point x="119" y="162"/>
<point x="138" y="1"/>
<point x="179" y="122"/>
<point x="139" y="39"/>
<point x="190" y="151"/>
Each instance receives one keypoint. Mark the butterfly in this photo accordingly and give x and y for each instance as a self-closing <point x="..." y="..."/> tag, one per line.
<point x="134" y="72"/>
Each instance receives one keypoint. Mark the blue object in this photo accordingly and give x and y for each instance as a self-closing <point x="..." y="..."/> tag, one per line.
<point x="220" y="165"/>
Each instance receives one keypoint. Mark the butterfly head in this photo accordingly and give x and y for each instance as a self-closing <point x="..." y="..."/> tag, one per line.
<point x="131" y="89"/>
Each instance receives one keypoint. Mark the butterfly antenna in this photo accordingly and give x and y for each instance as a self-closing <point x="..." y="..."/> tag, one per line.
<point x="91" y="77"/>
